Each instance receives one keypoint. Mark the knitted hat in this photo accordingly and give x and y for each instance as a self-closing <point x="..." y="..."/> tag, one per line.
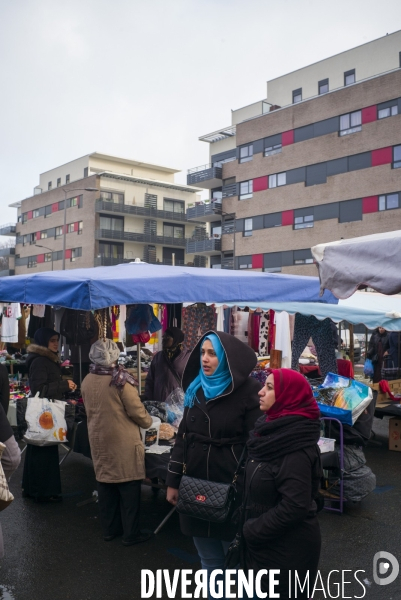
<point x="104" y="353"/>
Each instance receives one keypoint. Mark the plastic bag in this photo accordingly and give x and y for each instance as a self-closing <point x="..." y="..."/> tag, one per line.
<point x="46" y="422"/>
<point x="344" y="399"/>
<point x="368" y="368"/>
<point x="175" y="407"/>
<point x="156" y="409"/>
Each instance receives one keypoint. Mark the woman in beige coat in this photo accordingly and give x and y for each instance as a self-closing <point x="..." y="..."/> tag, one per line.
<point x="115" y="413"/>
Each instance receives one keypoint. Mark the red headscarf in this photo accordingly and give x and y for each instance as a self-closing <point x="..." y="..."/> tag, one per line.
<point x="293" y="396"/>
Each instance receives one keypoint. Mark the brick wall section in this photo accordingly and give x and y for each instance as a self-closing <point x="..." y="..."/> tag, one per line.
<point x="354" y="97"/>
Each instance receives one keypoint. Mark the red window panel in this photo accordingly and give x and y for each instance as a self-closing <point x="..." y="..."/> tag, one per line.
<point x="257" y="261"/>
<point x="76" y="226"/>
<point x="287" y="138"/>
<point x="370" y="204"/>
<point x="40" y="258"/>
<point x="369" y="114"/>
<point x="29" y="214"/>
<point x="287" y="217"/>
<point x="382" y="156"/>
<point x="55" y="207"/>
<point x="259" y="184"/>
<point x="68" y="253"/>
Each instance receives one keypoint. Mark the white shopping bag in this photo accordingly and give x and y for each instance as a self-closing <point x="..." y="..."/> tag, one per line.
<point x="46" y="422"/>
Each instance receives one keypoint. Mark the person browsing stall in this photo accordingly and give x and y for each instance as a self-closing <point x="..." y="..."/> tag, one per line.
<point x="282" y="480"/>
<point x="221" y="407"/>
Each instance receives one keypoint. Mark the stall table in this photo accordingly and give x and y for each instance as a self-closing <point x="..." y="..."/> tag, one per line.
<point x="345" y="369"/>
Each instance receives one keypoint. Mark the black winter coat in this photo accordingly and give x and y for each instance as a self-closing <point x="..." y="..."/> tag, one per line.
<point x="281" y="530"/>
<point x="4" y="388"/>
<point x="216" y="431"/>
<point x="45" y="373"/>
<point x="160" y="381"/>
<point x="378" y="344"/>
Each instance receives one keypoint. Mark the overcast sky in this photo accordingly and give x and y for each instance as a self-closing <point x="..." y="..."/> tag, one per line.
<point x="143" y="79"/>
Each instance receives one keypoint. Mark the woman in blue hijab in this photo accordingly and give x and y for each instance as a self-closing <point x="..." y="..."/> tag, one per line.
<point x="221" y="407"/>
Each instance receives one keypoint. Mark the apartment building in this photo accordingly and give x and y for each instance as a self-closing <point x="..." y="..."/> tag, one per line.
<point x="318" y="160"/>
<point x="101" y="210"/>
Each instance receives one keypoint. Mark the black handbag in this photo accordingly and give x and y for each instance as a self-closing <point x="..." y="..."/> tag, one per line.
<point x="389" y="372"/>
<point x="206" y="500"/>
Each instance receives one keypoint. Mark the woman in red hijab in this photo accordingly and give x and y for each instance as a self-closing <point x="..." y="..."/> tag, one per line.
<point x="282" y="480"/>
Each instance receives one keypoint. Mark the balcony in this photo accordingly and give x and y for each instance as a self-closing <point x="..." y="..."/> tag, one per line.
<point x="204" y="211"/>
<point x="132" y="236"/>
<point x="7" y="272"/>
<point x="7" y="252"/>
<point x="205" y="176"/>
<point x="206" y="246"/>
<point x="104" y="261"/>
<point x="227" y="263"/>
<point x="9" y="229"/>
<point x="229" y="190"/>
<point x="141" y="211"/>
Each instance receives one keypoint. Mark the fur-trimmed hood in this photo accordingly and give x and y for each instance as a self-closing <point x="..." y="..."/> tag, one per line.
<point x="34" y="350"/>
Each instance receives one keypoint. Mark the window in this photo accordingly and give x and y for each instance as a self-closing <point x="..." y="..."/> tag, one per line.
<point x="80" y="227"/>
<point x="303" y="261"/>
<point x="31" y="238"/>
<point x="32" y="261"/>
<point x="70" y="228"/>
<point x="58" y="181"/>
<point x="73" y="201"/>
<point x="86" y="170"/>
<point x="244" y="262"/>
<point x="389" y="202"/>
<point x="48" y="257"/>
<point x="174" y="206"/>
<point x="173" y="231"/>
<point x="246" y="189"/>
<point x="49" y="185"/>
<point x="323" y="86"/>
<point x="67" y="179"/>
<point x="391" y="111"/>
<point x="35" y="214"/>
<point x="216" y="231"/>
<point x="246" y="153"/>
<point x="297" y="95"/>
<point x="75" y="253"/>
<point x="248" y="227"/>
<point x="219" y="163"/>
<point x="59" y="232"/>
<point x="112" y="223"/>
<point x="111" y="250"/>
<point x="43" y="235"/>
<point x="277" y="180"/>
<point x="270" y="150"/>
<point x="351" y="122"/>
<point x="397" y="157"/>
<point x="349" y="77"/>
<point x="303" y="222"/>
<point x="112" y="197"/>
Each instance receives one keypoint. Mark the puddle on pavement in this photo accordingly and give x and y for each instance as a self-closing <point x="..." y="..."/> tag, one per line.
<point x="5" y="594"/>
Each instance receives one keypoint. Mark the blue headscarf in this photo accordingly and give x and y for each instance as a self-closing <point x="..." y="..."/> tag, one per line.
<point x="212" y="385"/>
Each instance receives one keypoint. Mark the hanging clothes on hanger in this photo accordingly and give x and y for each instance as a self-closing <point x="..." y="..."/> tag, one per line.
<point x="199" y="319"/>
<point x="283" y="338"/>
<point x="321" y="333"/>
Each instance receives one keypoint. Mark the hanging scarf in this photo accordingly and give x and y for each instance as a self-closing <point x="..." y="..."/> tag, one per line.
<point x="272" y="439"/>
<point x="293" y="396"/>
<point x="212" y="385"/>
<point x="119" y="376"/>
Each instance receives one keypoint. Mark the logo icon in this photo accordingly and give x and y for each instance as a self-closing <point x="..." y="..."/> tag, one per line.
<point x="386" y="564"/>
<point x="201" y="498"/>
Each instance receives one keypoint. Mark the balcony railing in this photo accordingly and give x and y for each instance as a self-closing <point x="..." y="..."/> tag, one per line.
<point x="207" y="175"/>
<point x="204" y="209"/>
<point x="8" y="229"/>
<point x="140" y="211"/>
<point x="209" y="245"/>
<point x="7" y="252"/>
<point x="229" y="190"/>
<point x="105" y="261"/>
<point x="132" y="236"/>
<point x="227" y="263"/>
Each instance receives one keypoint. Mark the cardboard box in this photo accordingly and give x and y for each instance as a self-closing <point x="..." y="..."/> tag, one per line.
<point x="394" y="437"/>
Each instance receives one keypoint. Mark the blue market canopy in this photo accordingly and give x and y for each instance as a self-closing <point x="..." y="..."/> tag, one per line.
<point x="132" y="283"/>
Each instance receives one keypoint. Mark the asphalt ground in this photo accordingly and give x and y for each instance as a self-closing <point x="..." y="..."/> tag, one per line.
<point x="56" y="551"/>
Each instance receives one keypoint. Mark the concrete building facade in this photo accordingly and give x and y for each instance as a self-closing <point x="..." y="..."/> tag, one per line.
<point x="318" y="160"/>
<point x="116" y="210"/>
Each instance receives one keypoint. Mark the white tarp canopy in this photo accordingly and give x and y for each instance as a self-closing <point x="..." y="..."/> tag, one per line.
<point x="368" y="261"/>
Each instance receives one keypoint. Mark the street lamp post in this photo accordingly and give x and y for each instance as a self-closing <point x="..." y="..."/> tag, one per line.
<point x="46" y="248"/>
<point x="88" y="189"/>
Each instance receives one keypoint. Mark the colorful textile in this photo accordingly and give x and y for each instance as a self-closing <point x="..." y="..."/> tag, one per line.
<point x="199" y="319"/>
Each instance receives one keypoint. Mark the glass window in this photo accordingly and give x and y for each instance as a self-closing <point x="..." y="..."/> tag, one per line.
<point x="323" y="86"/>
<point x="273" y="150"/>
<point x="48" y="257"/>
<point x="70" y="228"/>
<point x="216" y="231"/>
<point x="112" y="223"/>
<point x="32" y="261"/>
<point x="111" y="250"/>
<point x="73" y="202"/>
<point x="49" y="185"/>
<point x="277" y="179"/>
<point x="67" y="179"/>
<point x="397" y="157"/>
<point x="43" y="235"/>
<point x="272" y="181"/>
<point x="176" y="206"/>
<point x="248" y="227"/>
<point x="297" y="96"/>
<point x="80" y="227"/>
<point x="351" y="122"/>
<point x="58" y="181"/>
<point x="303" y="222"/>
<point x="246" y="153"/>
<point x="59" y="232"/>
<point x="349" y="77"/>
<point x="75" y="253"/>
<point x="246" y="189"/>
<point x="173" y="231"/>
<point x="389" y="202"/>
<point x="35" y="214"/>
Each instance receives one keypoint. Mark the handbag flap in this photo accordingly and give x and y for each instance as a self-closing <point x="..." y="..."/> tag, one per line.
<point x="204" y="493"/>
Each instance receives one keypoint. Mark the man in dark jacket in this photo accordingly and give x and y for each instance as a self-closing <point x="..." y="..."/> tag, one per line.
<point x="167" y="366"/>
